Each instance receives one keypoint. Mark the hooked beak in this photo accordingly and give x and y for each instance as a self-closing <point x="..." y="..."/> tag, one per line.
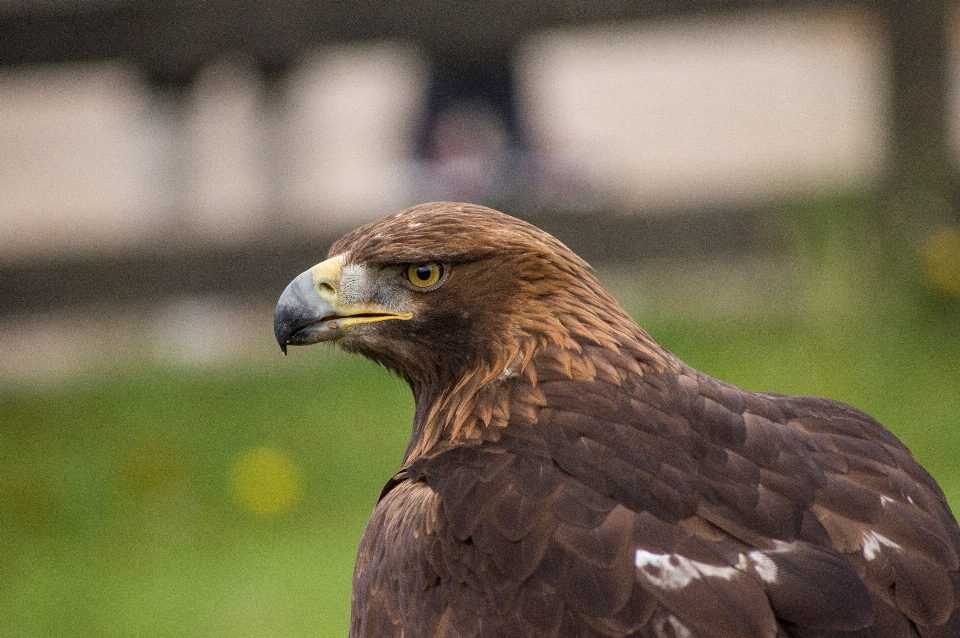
<point x="310" y="310"/>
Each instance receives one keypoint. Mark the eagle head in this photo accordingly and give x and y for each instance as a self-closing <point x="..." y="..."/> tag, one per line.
<point x="437" y="291"/>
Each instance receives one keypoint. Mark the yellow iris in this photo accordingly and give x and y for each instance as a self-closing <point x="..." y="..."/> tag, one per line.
<point x="424" y="275"/>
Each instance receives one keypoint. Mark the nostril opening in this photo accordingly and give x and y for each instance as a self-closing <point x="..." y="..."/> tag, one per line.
<point x="326" y="288"/>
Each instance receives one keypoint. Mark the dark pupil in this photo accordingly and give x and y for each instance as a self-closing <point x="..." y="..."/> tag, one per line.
<point x="423" y="273"/>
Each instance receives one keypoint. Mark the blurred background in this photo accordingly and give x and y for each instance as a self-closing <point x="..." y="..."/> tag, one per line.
<point x="769" y="187"/>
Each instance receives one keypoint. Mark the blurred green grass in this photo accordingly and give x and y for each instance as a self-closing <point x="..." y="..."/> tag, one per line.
<point x="117" y="516"/>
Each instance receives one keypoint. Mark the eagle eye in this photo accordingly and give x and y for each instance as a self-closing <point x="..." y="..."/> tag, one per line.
<point x="424" y="275"/>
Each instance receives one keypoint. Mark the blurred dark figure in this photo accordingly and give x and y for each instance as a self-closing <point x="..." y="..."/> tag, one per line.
<point x="470" y="146"/>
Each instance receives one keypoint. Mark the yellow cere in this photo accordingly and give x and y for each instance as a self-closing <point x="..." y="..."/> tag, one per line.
<point x="265" y="480"/>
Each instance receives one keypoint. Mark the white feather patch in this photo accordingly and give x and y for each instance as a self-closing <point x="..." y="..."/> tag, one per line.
<point x="673" y="571"/>
<point x="764" y="566"/>
<point x="679" y="629"/>
<point x="872" y="542"/>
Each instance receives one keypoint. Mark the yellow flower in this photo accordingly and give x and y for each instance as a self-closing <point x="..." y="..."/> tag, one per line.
<point x="942" y="260"/>
<point x="265" y="480"/>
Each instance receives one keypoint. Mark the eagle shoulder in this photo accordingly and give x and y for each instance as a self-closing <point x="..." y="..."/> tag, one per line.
<point x="392" y="565"/>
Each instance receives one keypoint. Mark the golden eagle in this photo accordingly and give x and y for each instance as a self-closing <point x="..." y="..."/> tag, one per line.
<point x="568" y="476"/>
